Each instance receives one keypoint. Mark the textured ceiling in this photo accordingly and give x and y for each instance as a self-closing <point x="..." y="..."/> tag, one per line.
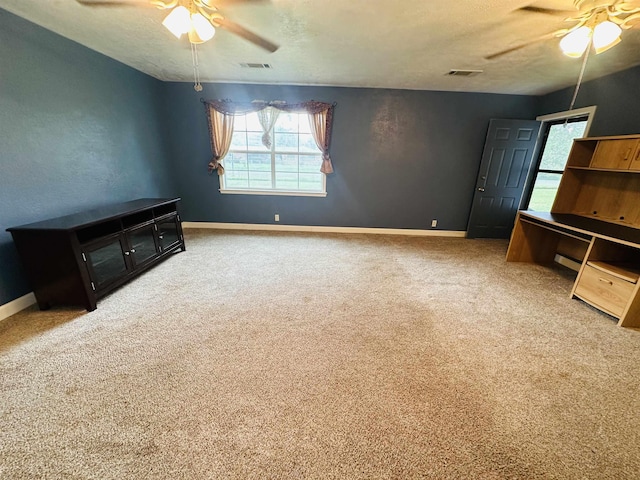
<point x="406" y="44"/>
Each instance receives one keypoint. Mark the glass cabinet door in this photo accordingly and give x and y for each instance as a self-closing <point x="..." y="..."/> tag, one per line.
<point x="106" y="261"/>
<point x="142" y="244"/>
<point x="168" y="235"/>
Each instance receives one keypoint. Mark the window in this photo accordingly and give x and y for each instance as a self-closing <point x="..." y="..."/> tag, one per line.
<point x="291" y="166"/>
<point x="559" y="131"/>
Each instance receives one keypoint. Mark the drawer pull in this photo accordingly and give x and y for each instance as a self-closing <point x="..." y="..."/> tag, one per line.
<point x="604" y="280"/>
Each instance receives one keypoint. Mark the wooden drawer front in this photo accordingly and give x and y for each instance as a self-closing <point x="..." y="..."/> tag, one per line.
<point x="604" y="290"/>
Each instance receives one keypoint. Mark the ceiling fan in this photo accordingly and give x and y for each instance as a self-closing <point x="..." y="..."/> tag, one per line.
<point x="198" y="19"/>
<point x="597" y="22"/>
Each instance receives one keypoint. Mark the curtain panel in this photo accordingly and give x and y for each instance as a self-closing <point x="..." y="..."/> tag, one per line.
<point x="220" y="135"/>
<point x="220" y="115"/>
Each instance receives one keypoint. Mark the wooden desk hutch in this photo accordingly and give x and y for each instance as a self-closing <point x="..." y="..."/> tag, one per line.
<point x="595" y="220"/>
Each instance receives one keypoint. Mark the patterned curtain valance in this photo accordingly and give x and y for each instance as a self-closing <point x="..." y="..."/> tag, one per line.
<point x="228" y="107"/>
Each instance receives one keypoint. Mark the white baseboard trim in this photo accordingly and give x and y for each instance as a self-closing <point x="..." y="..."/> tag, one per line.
<point x="318" y="229"/>
<point x="16" y="305"/>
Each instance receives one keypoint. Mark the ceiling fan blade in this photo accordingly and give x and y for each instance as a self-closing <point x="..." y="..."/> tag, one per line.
<point x="247" y="35"/>
<point x="523" y="45"/>
<point x="547" y="11"/>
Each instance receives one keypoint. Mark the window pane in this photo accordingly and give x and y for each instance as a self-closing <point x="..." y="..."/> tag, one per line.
<point x="253" y="124"/>
<point x="236" y="179"/>
<point x="310" y="163"/>
<point x="287" y="181"/>
<point x="559" y="142"/>
<point x="286" y="163"/>
<point x="254" y="141"/>
<point x="286" y="142"/>
<point x="544" y="191"/>
<point x="291" y="164"/>
<point x="260" y="180"/>
<point x="260" y="162"/>
<point x="307" y="143"/>
<point x="235" y="161"/>
<point x="239" y="123"/>
<point x="311" y="181"/>
<point x="239" y="141"/>
<point x="305" y="126"/>
<point x="287" y="122"/>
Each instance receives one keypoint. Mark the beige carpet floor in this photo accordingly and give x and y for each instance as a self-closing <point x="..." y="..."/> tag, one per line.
<point x="324" y="356"/>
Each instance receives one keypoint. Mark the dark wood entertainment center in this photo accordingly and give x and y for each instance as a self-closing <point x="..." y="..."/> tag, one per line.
<point x="78" y="259"/>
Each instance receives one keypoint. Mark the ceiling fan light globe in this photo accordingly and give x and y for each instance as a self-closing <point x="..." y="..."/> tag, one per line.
<point x="178" y="21"/>
<point x="576" y="43"/>
<point x="194" y="37"/>
<point x="202" y="28"/>
<point x="606" y="35"/>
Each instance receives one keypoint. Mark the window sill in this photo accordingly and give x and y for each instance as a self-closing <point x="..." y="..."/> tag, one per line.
<point x="273" y="192"/>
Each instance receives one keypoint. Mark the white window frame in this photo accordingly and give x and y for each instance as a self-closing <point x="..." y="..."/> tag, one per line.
<point x="290" y="193"/>
<point x="588" y="112"/>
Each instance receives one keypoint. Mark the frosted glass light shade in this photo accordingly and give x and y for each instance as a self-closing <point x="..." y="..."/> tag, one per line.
<point x="606" y="35"/>
<point x="178" y="21"/>
<point x="201" y="29"/>
<point x="575" y="43"/>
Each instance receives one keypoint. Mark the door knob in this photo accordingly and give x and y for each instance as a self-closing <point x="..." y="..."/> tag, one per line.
<point x="481" y="189"/>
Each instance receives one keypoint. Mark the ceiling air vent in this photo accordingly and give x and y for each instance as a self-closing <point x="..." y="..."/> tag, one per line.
<point x="255" y="65"/>
<point x="464" y="73"/>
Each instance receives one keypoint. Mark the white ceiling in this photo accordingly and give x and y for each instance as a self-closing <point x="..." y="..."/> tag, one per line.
<point x="406" y="44"/>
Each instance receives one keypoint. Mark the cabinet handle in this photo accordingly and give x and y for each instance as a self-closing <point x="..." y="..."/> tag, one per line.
<point x="604" y="280"/>
<point x="160" y="237"/>
<point x="126" y="253"/>
<point x="481" y="189"/>
<point x="626" y="156"/>
<point x="133" y="250"/>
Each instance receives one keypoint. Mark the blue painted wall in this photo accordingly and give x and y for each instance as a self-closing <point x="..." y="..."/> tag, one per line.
<point x="616" y="96"/>
<point x="77" y="130"/>
<point x="401" y="158"/>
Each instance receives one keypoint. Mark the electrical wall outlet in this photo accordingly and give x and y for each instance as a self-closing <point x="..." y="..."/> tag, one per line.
<point x="434" y="223"/>
<point x="277" y="217"/>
